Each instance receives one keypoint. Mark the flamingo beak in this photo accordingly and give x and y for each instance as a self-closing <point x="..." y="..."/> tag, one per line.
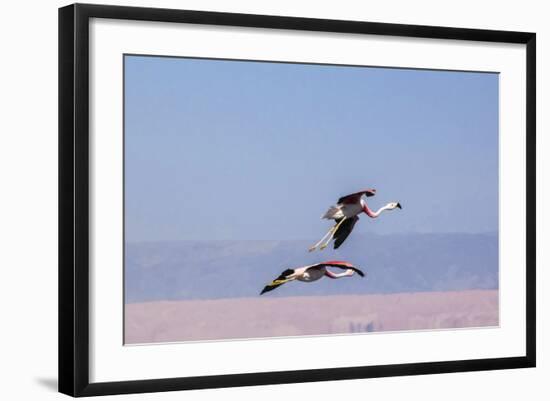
<point x="398" y="205"/>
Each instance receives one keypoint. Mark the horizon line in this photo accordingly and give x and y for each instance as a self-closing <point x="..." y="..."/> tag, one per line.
<point x="495" y="232"/>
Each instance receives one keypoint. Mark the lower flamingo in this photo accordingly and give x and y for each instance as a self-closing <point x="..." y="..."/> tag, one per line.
<point x="312" y="273"/>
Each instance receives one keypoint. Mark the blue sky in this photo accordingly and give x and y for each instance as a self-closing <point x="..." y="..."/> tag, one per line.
<point x="253" y="150"/>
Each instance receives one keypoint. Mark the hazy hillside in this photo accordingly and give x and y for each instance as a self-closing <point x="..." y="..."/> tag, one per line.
<point x="170" y="321"/>
<point x="393" y="263"/>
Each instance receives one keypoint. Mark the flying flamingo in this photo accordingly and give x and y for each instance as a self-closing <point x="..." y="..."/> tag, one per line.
<point x="345" y="214"/>
<point x="313" y="273"/>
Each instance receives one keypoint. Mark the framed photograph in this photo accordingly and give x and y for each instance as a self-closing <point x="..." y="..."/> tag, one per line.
<point x="251" y="199"/>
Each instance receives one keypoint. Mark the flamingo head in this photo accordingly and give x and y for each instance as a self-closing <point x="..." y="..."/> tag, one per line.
<point x="393" y="205"/>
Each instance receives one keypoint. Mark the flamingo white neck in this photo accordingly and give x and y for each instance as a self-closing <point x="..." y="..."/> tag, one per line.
<point x="372" y="214"/>
<point x="346" y="273"/>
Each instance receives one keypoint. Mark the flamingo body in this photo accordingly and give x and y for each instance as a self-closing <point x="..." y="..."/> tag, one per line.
<point x="344" y="210"/>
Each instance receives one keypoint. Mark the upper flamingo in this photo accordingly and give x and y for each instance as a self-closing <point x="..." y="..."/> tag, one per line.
<point x="345" y="214"/>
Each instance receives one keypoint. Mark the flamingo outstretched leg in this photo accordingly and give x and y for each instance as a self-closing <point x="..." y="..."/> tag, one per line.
<point x="332" y="232"/>
<point x="312" y="248"/>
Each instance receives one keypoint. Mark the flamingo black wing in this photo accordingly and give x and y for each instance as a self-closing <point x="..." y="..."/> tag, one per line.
<point x="283" y="278"/>
<point x="344" y="231"/>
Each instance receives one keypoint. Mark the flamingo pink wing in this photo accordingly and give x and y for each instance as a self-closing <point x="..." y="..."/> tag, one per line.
<point x="337" y="263"/>
<point x="354" y="198"/>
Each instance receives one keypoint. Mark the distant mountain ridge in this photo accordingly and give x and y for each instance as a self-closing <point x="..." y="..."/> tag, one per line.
<point x="397" y="263"/>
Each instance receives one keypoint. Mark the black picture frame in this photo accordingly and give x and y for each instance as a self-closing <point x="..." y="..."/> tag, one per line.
<point x="74" y="198"/>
